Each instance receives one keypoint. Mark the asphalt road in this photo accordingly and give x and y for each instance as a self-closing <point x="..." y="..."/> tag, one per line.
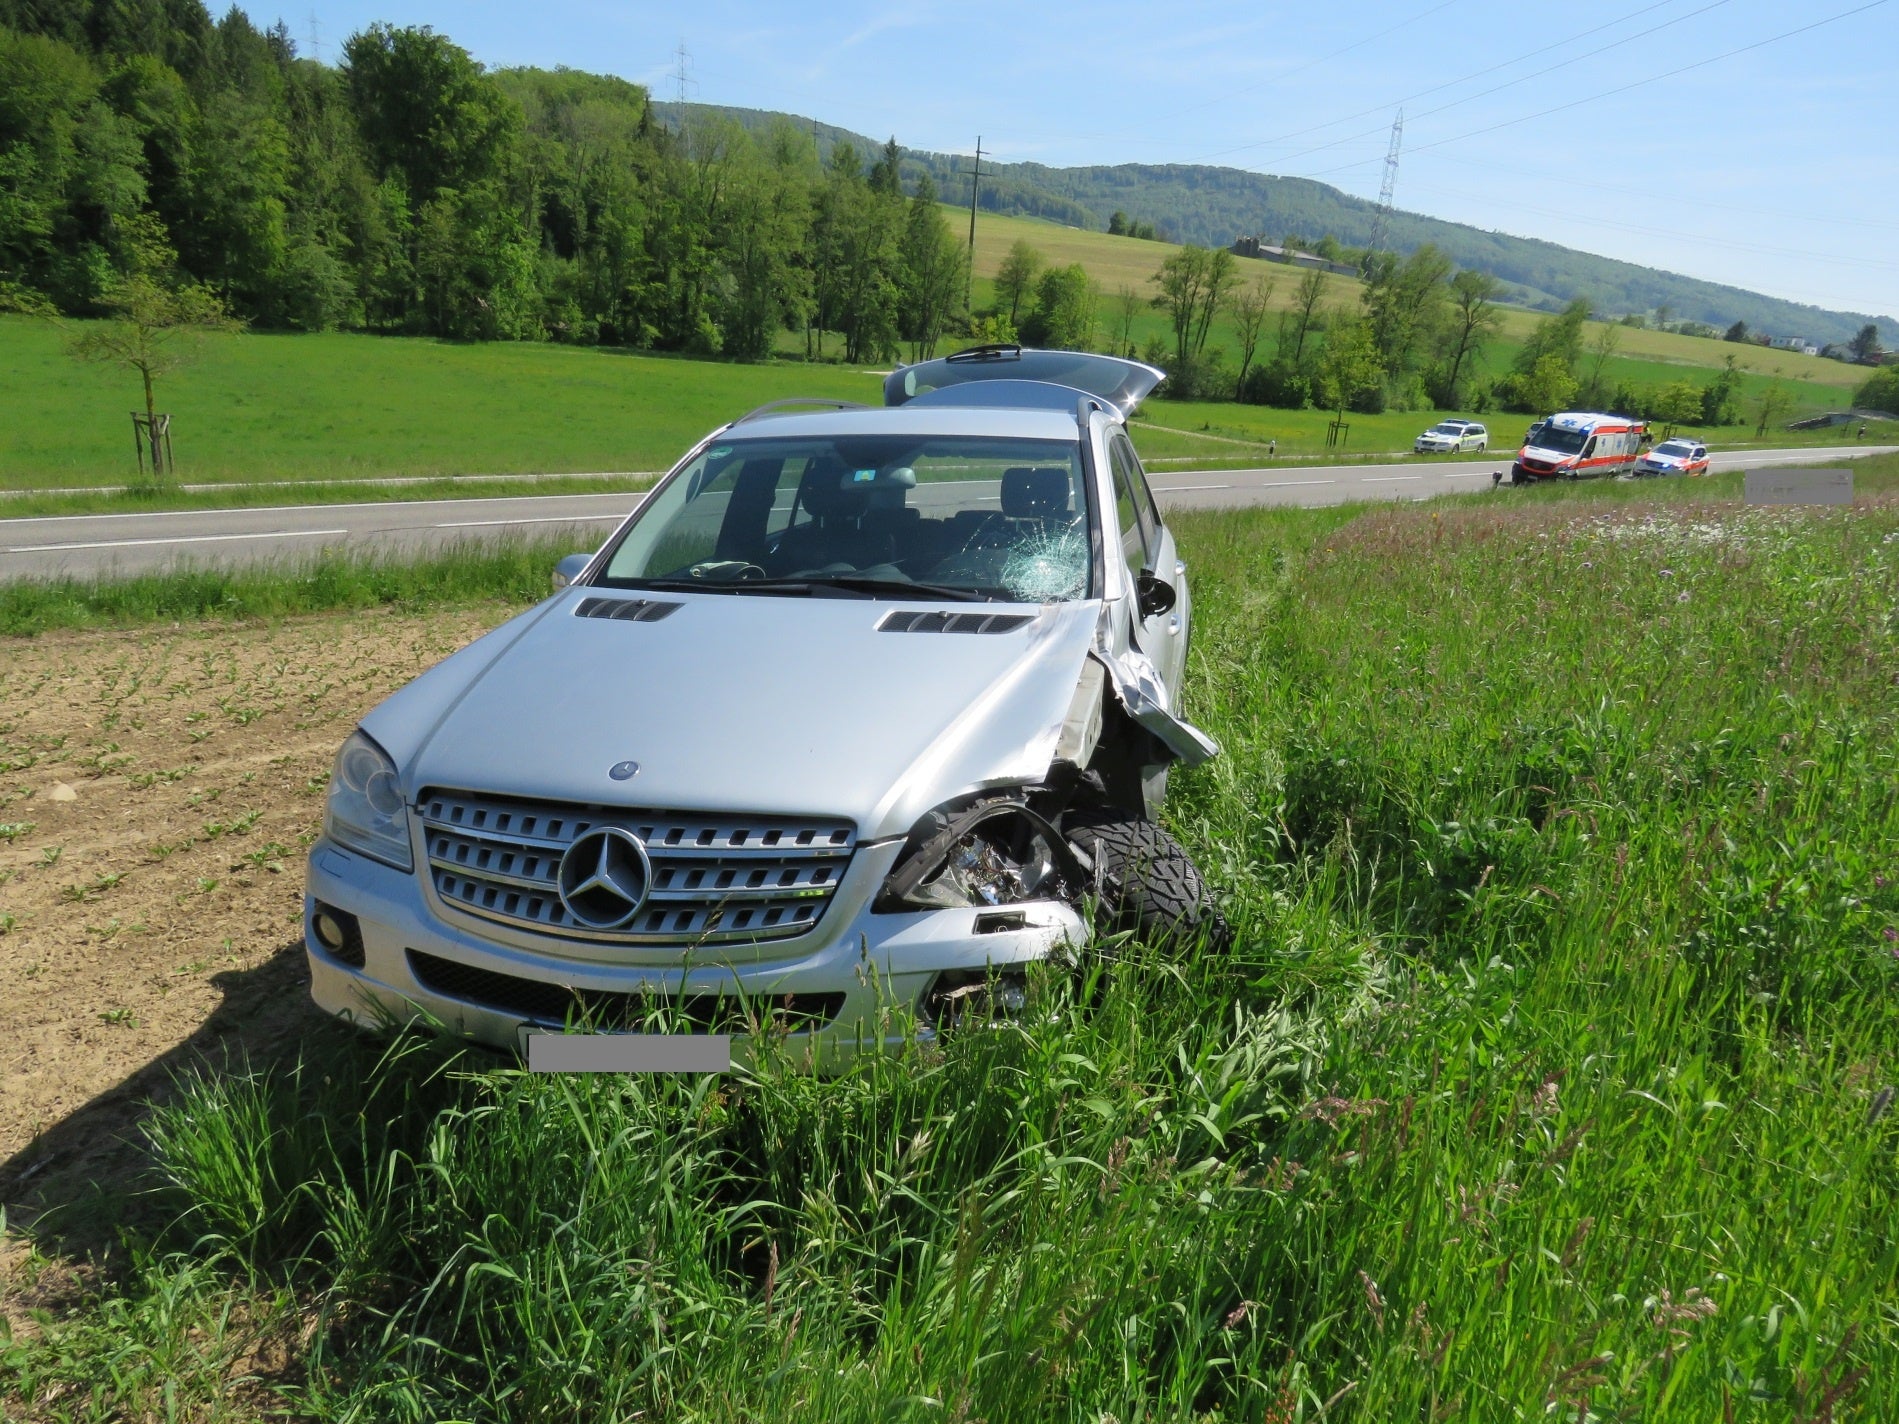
<point x="86" y="546"/>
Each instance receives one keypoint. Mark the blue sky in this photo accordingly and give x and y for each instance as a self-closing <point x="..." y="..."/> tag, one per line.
<point x="1774" y="169"/>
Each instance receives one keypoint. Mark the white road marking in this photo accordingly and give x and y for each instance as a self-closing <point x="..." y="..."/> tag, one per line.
<point x="493" y="523"/>
<point x="187" y="539"/>
<point x="1389" y="479"/>
<point x="1176" y="489"/>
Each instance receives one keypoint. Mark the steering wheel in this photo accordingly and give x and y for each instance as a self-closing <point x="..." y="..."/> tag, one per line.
<point x="727" y="571"/>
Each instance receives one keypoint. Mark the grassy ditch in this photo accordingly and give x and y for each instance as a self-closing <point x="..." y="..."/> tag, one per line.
<point x="1551" y="1074"/>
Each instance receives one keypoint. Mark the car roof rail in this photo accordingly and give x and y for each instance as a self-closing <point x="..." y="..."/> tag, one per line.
<point x="790" y="401"/>
<point x="989" y="351"/>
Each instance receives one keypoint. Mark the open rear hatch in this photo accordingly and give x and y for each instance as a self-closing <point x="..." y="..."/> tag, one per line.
<point x="1121" y="384"/>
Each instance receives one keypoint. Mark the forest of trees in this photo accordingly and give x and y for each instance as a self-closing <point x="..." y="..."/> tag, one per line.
<point x="407" y="189"/>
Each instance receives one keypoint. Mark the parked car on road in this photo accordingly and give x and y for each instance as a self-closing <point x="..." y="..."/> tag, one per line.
<point x="859" y="708"/>
<point x="1675" y="457"/>
<point x="1451" y="437"/>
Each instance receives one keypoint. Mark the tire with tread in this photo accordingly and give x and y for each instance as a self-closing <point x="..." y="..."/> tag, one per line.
<point x="1147" y="882"/>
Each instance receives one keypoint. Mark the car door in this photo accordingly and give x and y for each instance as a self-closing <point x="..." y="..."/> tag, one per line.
<point x="1149" y="547"/>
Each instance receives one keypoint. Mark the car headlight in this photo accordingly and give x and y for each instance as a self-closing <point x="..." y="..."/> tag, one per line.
<point x="365" y="811"/>
<point x="992" y="852"/>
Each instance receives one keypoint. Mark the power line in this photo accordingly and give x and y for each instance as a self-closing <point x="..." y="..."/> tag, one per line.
<point x="1490" y="165"/>
<point x="1602" y="94"/>
<point x="1512" y="83"/>
<point x="1438" y="88"/>
<point x="1227" y="96"/>
<point x="1677" y="70"/>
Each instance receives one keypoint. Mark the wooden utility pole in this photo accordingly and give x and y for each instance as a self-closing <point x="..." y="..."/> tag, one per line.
<point x="969" y="272"/>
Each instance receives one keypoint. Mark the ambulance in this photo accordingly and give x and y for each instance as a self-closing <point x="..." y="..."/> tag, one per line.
<point x="1577" y="445"/>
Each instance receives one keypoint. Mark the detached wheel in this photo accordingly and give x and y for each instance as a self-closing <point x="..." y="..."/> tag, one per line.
<point x="1147" y="883"/>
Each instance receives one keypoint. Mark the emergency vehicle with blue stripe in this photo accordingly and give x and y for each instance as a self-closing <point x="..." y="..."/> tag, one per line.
<point x="1577" y="445"/>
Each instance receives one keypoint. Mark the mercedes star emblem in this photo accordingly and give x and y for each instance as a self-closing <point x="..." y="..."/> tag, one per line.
<point x="604" y="877"/>
<point x="624" y="770"/>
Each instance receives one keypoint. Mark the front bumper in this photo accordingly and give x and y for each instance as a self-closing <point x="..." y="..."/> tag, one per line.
<point x="881" y="964"/>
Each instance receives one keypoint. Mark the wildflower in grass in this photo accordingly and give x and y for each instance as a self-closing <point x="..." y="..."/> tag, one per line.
<point x="1681" y="598"/>
<point x="1330" y="1109"/>
<point x="1374" y="1301"/>
<point x="1544" y="1103"/>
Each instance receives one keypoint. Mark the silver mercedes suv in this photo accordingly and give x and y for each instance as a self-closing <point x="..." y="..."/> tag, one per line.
<point x="860" y="710"/>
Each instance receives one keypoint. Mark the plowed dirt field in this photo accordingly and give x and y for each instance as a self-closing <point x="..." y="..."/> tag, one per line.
<point x="158" y="789"/>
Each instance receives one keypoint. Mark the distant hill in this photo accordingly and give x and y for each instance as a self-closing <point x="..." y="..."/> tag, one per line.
<point x="1212" y="206"/>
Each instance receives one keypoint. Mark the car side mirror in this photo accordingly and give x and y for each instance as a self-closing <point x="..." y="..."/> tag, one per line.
<point x="1153" y="595"/>
<point x="569" y="569"/>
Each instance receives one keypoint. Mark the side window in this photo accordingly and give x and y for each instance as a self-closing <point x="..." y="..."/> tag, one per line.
<point x="1129" y="517"/>
<point x="1128" y="466"/>
<point x="1590" y="448"/>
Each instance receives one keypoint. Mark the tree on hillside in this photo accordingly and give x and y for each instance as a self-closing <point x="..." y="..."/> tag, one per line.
<point x="1128" y="302"/>
<point x="1548" y="386"/>
<point x="1015" y="279"/>
<point x="1193" y="282"/>
<point x="1348" y="364"/>
<point x="1118" y="224"/>
<point x="154" y="329"/>
<point x="1403" y="302"/>
<point x="1737" y="332"/>
<point x="426" y="109"/>
<point x="1602" y="346"/>
<point x="1770" y="405"/>
<point x="1865" y="343"/>
<point x="886" y="174"/>
<point x="1558" y="336"/>
<point x="858" y="253"/>
<point x="1249" y="307"/>
<point x="767" y="213"/>
<point x="1678" y="403"/>
<point x="1064" y="315"/>
<point x="1881" y="391"/>
<point x="1297" y="323"/>
<point x="1472" y="319"/>
<point x="931" y="262"/>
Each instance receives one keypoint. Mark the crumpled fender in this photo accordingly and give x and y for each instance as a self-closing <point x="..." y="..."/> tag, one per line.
<point x="1138" y="685"/>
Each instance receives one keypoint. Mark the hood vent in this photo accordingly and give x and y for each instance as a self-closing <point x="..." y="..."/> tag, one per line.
<point x="907" y="621"/>
<point x="624" y="610"/>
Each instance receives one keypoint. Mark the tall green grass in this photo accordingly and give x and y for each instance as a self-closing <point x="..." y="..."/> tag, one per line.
<point x="515" y="570"/>
<point x="1549" y="1076"/>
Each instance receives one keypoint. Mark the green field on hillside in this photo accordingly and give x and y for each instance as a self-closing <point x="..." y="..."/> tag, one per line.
<point x="336" y="406"/>
<point x="339" y="406"/>
<point x="1550" y="1073"/>
<point x="1118" y="261"/>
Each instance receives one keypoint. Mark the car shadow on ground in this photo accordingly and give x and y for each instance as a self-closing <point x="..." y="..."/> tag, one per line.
<point x="80" y="1182"/>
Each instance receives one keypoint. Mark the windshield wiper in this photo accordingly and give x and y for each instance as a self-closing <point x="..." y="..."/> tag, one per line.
<point x="806" y="583"/>
<point x="855" y="583"/>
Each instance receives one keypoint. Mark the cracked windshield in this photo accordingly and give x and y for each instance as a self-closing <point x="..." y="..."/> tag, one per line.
<point x="957" y="517"/>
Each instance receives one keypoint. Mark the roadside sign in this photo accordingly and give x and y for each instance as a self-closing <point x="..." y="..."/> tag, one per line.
<point x="1799" y="486"/>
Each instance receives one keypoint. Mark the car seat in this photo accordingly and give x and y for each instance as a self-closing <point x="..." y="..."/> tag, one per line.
<point x="1038" y="493"/>
<point x="854" y="520"/>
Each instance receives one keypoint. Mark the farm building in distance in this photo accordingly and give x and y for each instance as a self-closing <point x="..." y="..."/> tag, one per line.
<point x="1255" y="247"/>
<point x="1793" y="343"/>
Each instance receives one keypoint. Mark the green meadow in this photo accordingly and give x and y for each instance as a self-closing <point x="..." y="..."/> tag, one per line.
<point x="1550" y="1074"/>
<point x="331" y="408"/>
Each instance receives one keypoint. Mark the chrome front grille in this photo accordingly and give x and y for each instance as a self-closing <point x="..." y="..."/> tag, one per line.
<point x="716" y="879"/>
